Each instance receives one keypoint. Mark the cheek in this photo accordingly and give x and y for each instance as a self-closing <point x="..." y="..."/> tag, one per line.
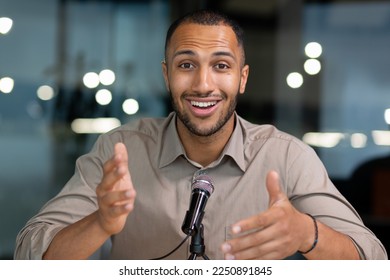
<point x="228" y="84"/>
<point x="179" y="83"/>
<point x="176" y="89"/>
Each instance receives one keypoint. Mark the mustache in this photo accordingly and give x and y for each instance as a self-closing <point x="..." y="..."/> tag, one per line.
<point x="204" y="95"/>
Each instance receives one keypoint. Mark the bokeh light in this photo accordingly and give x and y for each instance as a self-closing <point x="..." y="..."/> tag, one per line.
<point x="130" y="106"/>
<point x="294" y="80"/>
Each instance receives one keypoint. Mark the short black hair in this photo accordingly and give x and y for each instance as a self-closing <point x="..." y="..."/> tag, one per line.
<point x="207" y="17"/>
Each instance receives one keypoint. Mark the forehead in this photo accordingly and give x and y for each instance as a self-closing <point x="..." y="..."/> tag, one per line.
<point x="203" y="37"/>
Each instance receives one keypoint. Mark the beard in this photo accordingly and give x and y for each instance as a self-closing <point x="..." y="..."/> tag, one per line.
<point x="200" y="131"/>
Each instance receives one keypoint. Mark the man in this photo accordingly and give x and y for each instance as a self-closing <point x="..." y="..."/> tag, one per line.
<point x="134" y="186"/>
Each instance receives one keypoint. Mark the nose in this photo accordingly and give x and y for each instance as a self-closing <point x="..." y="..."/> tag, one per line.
<point x="203" y="81"/>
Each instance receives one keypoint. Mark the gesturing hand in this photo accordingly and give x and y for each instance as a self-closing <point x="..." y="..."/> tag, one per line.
<point x="115" y="193"/>
<point x="276" y="233"/>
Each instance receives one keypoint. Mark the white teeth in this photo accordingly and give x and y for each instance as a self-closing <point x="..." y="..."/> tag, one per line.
<point x="203" y="104"/>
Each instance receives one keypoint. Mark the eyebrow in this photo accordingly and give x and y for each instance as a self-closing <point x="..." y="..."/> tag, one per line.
<point x="192" y="53"/>
<point x="184" y="52"/>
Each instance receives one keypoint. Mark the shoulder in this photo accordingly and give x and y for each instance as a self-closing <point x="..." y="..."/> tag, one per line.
<point x="267" y="134"/>
<point x="146" y="128"/>
<point x="144" y="131"/>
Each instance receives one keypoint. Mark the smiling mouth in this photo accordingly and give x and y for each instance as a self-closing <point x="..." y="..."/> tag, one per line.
<point x="203" y="104"/>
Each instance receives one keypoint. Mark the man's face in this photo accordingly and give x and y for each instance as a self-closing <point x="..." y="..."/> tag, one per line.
<point x="204" y="75"/>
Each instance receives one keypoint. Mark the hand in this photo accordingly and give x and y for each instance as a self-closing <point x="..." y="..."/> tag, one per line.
<point x="277" y="233"/>
<point x="115" y="193"/>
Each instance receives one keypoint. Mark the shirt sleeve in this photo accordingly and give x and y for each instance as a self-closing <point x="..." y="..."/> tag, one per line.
<point x="75" y="201"/>
<point x="311" y="191"/>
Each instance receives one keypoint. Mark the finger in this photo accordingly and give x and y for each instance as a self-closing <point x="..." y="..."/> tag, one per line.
<point x="119" y="158"/>
<point x="255" y="236"/>
<point x="253" y="224"/>
<point x="274" y="189"/>
<point x="264" y="219"/>
<point x="267" y="218"/>
<point x="258" y="244"/>
<point x="115" y="212"/>
<point x="113" y="162"/>
<point x="109" y="181"/>
<point x="116" y="203"/>
<point x="120" y="149"/>
<point x="245" y="241"/>
<point x="123" y="160"/>
<point x="263" y="251"/>
<point x="120" y="208"/>
<point x="115" y="168"/>
<point x="115" y="198"/>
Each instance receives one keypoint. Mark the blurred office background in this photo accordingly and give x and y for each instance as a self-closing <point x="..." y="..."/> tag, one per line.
<point x="72" y="69"/>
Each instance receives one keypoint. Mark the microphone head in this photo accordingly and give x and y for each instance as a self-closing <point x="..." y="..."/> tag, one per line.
<point x="203" y="182"/>
<point x="202" y="187"/>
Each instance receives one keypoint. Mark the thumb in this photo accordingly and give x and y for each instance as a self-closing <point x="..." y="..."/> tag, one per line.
<point x="273" y="187"/>
<point x="120" y="149"/>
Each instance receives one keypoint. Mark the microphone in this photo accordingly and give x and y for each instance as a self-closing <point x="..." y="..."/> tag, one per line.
<point x="202" y="187"/>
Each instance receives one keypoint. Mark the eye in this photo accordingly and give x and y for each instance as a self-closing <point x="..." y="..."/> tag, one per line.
<point x="222" y="66"/>
<point x="186" y="65"/>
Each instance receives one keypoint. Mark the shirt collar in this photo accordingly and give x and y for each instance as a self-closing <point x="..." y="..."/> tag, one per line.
<point x="171" y="147"/>
<point x="235" y="146"/>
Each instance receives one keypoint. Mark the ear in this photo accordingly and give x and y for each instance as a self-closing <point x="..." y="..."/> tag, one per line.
<point x="165" y="73"/>
<point x="244" y="78"/>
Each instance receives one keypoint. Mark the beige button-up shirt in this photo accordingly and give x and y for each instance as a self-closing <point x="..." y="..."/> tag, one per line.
<point x="162" y="176"/>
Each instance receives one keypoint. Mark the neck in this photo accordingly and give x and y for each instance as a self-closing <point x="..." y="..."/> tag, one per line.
<point x="205" y="149"/>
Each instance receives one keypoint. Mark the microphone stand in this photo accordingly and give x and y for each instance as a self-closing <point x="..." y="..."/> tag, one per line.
<point x="197" y="247"/>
